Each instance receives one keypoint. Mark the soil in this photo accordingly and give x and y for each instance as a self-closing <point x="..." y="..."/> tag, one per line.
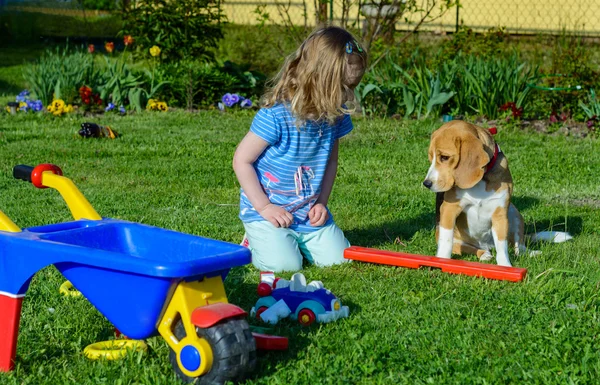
<point x="567" y="128"/>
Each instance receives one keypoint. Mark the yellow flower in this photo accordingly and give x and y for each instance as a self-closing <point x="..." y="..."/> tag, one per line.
<point x="58" y="104"/>
<point x="22" y="104"/>
<point x="7" y="108"/>
<point x="151" y="104"/>
<point x="58" y="107"/>
<point x="155" y="105"/>
<point x="155" y="51"/>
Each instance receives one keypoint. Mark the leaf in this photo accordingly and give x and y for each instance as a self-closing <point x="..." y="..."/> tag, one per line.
<point x="439" y="100"/>
<point x="369" y="88"/>
<point x="138" y="98"/>
<point x="409" y="102"/>
<point x="57" y="94"/>
<point x="156" y="88"/>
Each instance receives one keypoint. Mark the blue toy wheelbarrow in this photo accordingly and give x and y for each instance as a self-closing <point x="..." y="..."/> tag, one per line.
<point x="145" y="280"/>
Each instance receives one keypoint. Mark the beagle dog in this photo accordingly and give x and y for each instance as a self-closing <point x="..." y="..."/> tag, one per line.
<point x="470" y="175"/>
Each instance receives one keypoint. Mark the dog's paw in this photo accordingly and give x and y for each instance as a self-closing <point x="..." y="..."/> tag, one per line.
<point x="485" y="257"/>
<point x="504" y="263"/>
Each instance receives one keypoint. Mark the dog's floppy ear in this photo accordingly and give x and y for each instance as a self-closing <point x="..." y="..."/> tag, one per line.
<point x="473" y="159"/>
<point x="432" y="144"/>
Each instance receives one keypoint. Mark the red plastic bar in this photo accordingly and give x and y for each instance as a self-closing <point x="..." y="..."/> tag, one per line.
<point x="268" y="342"/>
<point x="454" y="266"/>
<point x="10" y="315"/>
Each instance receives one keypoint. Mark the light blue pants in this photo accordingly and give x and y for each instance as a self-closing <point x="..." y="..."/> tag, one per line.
<point x="281" y="249"/>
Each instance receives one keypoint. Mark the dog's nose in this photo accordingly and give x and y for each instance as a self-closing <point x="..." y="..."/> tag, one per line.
<point x="427" y="183"/>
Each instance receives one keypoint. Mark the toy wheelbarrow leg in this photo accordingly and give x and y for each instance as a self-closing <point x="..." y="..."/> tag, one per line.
<point x="10" y="310"/>
<point x="12" y="281"/>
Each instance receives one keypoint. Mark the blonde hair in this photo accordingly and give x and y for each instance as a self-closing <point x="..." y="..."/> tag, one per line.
<point x="319" y="78"/>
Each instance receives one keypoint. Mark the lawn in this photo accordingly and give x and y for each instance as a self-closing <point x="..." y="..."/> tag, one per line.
<point x="406" y="326"/>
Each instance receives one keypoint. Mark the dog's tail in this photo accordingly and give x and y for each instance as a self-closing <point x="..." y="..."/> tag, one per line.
<point x="543" y="236"/>
<point x="550" y="236"/>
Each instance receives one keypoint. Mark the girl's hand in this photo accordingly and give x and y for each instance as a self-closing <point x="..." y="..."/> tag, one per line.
<point x="278" y="216"/>
<point x="318" y="215"/>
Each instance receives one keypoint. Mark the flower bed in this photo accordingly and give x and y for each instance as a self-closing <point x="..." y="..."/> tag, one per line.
<point x="103" y="79"/>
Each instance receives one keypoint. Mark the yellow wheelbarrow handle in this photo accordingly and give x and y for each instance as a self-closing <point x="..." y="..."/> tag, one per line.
<point x="49" y="175"/>
<point x="7" y="225"/>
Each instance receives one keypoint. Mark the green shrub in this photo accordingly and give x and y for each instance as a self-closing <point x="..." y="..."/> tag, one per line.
<point x="591" y="109"/>
<point x="60" y="73"/>
<point x="263" y="48"/>
<point x="483" y="85"/>
<point x="193" y="84"/>
<point x="467" y="42"/>
<point x="182" y="29"/>
<point x="101" y="5"/>
<point x="249" y="83"/>
<point x="122" y="86"/>
<point x="467" y="84"/>
<point x="27" y="27"/>
<point x="570" y="72"/>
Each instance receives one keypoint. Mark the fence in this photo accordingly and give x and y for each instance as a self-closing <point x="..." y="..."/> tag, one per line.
<point x="517" y="16"/>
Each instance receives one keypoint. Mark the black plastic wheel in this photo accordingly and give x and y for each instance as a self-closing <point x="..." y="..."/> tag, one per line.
<point x="234" y="352"/>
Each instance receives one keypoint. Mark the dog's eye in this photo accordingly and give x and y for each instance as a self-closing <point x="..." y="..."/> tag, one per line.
<point x="444" y="158"/>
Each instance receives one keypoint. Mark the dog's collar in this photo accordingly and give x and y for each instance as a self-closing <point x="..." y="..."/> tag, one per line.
<point x="497" y="151"/>
<point x="490" y="165"/>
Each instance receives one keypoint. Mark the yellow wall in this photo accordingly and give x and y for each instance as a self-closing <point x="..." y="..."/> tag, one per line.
<point x="522" y="16"/>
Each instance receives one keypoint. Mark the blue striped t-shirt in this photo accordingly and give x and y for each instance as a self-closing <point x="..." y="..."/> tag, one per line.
<point x="292" y="167"/>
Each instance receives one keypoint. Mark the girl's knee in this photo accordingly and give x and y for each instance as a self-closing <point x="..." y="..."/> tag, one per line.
<point x="276" y="252"/>
<point x="278" y="265"/>
<point x="330" y="259"/>
<point x="327" y="248"/>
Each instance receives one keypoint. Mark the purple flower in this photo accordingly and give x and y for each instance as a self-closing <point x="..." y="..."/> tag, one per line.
<point x="110" y="107"/>
<point x="122" y="110"/>
<point x="590" y="123"/>
<point x="235" y="98"/>
<point x="228" y="100"/>
<point x="36" y="105"/>
<point x="23" y="96"/>
<point x="246" y="103"/>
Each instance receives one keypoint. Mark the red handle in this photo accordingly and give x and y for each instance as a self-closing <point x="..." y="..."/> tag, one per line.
<point x="36" y="174"/>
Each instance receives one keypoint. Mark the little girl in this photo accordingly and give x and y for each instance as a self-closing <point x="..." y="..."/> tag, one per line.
<point x="287" y="163"/>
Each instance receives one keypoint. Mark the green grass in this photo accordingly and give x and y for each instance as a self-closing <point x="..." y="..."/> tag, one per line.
<point x="27" y="27"/>
<point x="14" y="59"/>
<point x="406" y="326"/>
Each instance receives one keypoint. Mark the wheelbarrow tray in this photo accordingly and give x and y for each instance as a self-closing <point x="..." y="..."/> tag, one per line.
<point x="127" y="270"/>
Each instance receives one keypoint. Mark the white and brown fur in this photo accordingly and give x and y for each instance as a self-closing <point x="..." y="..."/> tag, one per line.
<point x="473" y="208"/>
